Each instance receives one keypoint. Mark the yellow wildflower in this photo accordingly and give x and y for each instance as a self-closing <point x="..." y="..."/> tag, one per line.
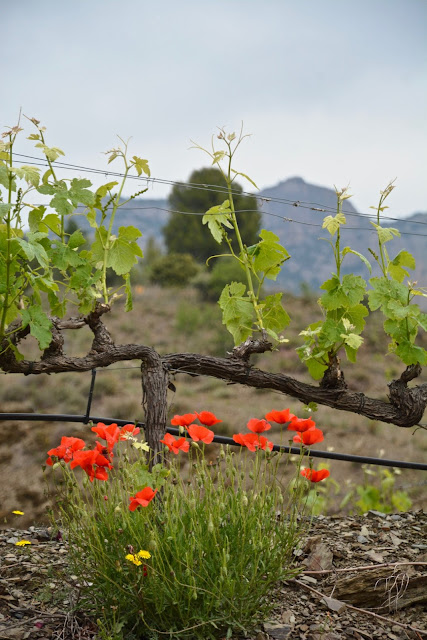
<point x="133" y="558"/>
<point x="22" y="543"/>
<point x="18" y="513"/>
<point x="144" y="554"/>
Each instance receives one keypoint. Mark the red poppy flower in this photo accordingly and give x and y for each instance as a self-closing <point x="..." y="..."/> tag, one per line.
<point x="103" y="450"/>
<point x="301" y="425"/>
<point x="128" y="430"/>
<point x="200" y="433"/>
<point x="309" y="437"/>
<point x="142" y="498"/>
<point x="207" y="418"/>
<point x="183" y="421"/>
<point x="175" y="445"/>
<point x="315" y="476"/>
<point x="110" y="434"/>
<point x="258" y="426"/>
<point x="252" y="441"/>
<point x="280" y="417"/>
<point x="66" y="449"/>
<point x="92" y="462"/>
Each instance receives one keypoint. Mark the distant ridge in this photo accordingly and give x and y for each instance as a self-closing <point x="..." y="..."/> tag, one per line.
<point x="312" y="259"/>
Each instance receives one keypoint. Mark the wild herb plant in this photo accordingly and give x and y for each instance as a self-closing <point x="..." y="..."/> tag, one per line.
<point x="187" y="556"/>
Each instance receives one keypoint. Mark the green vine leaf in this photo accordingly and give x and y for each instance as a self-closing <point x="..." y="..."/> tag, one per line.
<point x="395" y="267"/>
<point x="76" y="240"/>
<point x="216" y="218"/>
<point x="268" y="255"/>
<point x="33" y="249"/>
<point x="274" y="316"/>
<point x="347" y="293"/>
<point x="29" y="174"/>
<point x="315" y="368"/>
<point x="39" y="323"/>
<point x="141" y="166"/>
<point x="352" y="340"/>
<point x="237" y="311"/>
<point x="410" y="353"/>
<point x="4" y="177"/>
<point x="333" y="223"/>
<point x="356" y="315"/>
<point x="124" y="251"/>
<point x="51" y="153"/>
<point x="385" y="234"/>
<point x="4" y="209"/>
<point x="385" y="291"/>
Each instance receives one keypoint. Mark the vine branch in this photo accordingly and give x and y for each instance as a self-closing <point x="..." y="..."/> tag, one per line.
<point x="404" y="409"/>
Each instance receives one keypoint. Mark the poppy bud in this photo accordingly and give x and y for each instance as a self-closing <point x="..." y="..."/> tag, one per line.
<point x="245" y="500"/>
<point x="211" y="527"/>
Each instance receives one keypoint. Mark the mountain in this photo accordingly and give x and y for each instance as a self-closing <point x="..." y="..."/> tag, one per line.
<point x="298" y="223"/>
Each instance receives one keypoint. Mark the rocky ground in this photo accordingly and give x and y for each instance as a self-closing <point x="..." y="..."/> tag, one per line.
<point x="363" y="578"/>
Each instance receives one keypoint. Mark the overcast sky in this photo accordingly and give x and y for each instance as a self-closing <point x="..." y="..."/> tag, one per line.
<point x="334" y="91"/>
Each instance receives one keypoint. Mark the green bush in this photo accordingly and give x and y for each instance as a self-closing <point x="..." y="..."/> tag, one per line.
<point x="199" y="561"/>
<point x="173" y="270"/>
<point x="211" y="283"/>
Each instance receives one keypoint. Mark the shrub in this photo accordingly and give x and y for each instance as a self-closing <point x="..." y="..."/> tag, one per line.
<point x="173" y="270"/>
<point x="159" y="554"/>
<point x="211" y="283"/>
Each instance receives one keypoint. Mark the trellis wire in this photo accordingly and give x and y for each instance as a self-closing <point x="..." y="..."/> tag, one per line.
<point x="313" y="206"/>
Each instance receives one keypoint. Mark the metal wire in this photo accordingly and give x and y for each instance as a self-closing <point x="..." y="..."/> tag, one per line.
<point x="313" y="206"/>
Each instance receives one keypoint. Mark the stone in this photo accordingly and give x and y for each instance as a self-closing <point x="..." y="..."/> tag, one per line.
<point x="334" y="605"/>
<point x="277" y="631"/>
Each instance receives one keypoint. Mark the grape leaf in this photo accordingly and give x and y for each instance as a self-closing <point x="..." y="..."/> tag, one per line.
<point x="217" y="216"/>
<point x="333" y="223"/>
<point x="76" y="240"/>
<point x="384" y="291"/>
<point x="395" y="267"/>
<point x="31" y="174"/>
<point x="63" y="256"/>
<point x="51" y="153"/>
<point x="39" y="323"/>
<point x="124" y="251"/>
<point x="352" y="340"/>
<point x="422" y="320"/>
<point x="268" y="255"/>
<point x="274" y="316"/>
<point x="356" y="316"/>
<point x="141" y="166"/>
<point x="33" y="249"/>
<point x="410" y="353"/>
<point x="385" y="234"/>
<point x="350" y="353"/>
<point x="346" y="294"/>
<point x="237" y="311"/>
<point x="316" y="369"/>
